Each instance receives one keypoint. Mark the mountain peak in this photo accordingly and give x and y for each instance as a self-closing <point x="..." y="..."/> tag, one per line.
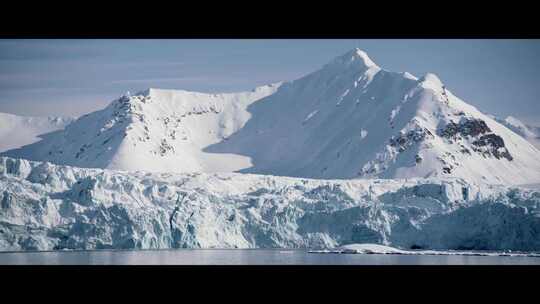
<point x="356" y="57"/>
<point x="432" y="81"/>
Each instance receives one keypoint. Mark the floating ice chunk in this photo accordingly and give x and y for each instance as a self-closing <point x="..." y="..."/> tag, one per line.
<point x="363" y="134"/>
<point x="342" y="96"/>
<point x="309" y="116"/>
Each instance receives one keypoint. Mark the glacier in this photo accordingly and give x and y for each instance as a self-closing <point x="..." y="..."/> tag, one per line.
<point x="44" y="206"/>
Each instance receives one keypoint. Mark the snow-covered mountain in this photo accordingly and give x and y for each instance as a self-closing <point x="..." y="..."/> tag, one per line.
<point x="17" y="131"/>
<point x="155" y="130"/>
<point x="350" y="119"/>
<point x="353" y="119"/>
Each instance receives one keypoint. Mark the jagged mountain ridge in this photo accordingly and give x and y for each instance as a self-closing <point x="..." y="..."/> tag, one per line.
<point x="350" y="119"/>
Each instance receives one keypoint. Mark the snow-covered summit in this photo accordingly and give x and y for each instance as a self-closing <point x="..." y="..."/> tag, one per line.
<point x="355" y="57"/>
<point x="430" y="80"/>
<point x="349" y="119"/>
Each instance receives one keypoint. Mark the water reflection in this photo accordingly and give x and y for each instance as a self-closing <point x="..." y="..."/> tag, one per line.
<point x="247" y="257"/>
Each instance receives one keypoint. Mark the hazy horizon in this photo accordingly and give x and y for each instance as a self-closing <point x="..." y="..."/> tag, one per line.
<point x="74" y="77"/>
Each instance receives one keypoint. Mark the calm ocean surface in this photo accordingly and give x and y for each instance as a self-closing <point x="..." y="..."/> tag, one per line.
<point x="245" y="257"/>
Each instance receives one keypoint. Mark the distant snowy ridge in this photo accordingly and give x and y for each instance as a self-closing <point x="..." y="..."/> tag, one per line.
<point x="529" y="132"/>
<point x="17" y="131"/>
<point x="45" y="207"/>
<point x="349" y="119"/>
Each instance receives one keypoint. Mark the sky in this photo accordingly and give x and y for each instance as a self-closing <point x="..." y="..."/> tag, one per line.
<point x="73" y="77"/>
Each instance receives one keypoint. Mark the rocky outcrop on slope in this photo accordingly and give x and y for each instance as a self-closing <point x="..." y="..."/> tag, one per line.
<point x="476" y="131"/>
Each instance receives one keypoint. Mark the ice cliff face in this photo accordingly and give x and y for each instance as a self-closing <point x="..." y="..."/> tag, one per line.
<point x="349" y="119"/>
<point x="45" y="206"/>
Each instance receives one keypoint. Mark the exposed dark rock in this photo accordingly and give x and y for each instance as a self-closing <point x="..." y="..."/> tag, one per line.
<point x="403" y="141"/>
<point x="165" y="147"/>
<point x="485" y="142"/>
<point x="467" y="127"/>
<point x="490" y="140"/>
<point x="493" y="144"/>
<point x="464" y="150"/>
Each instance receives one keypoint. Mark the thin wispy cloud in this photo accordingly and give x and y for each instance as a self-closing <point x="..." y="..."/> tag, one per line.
<point x="499" y="75"/>
<point x="148" y="80"/>
<point x="143" y="64"/>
